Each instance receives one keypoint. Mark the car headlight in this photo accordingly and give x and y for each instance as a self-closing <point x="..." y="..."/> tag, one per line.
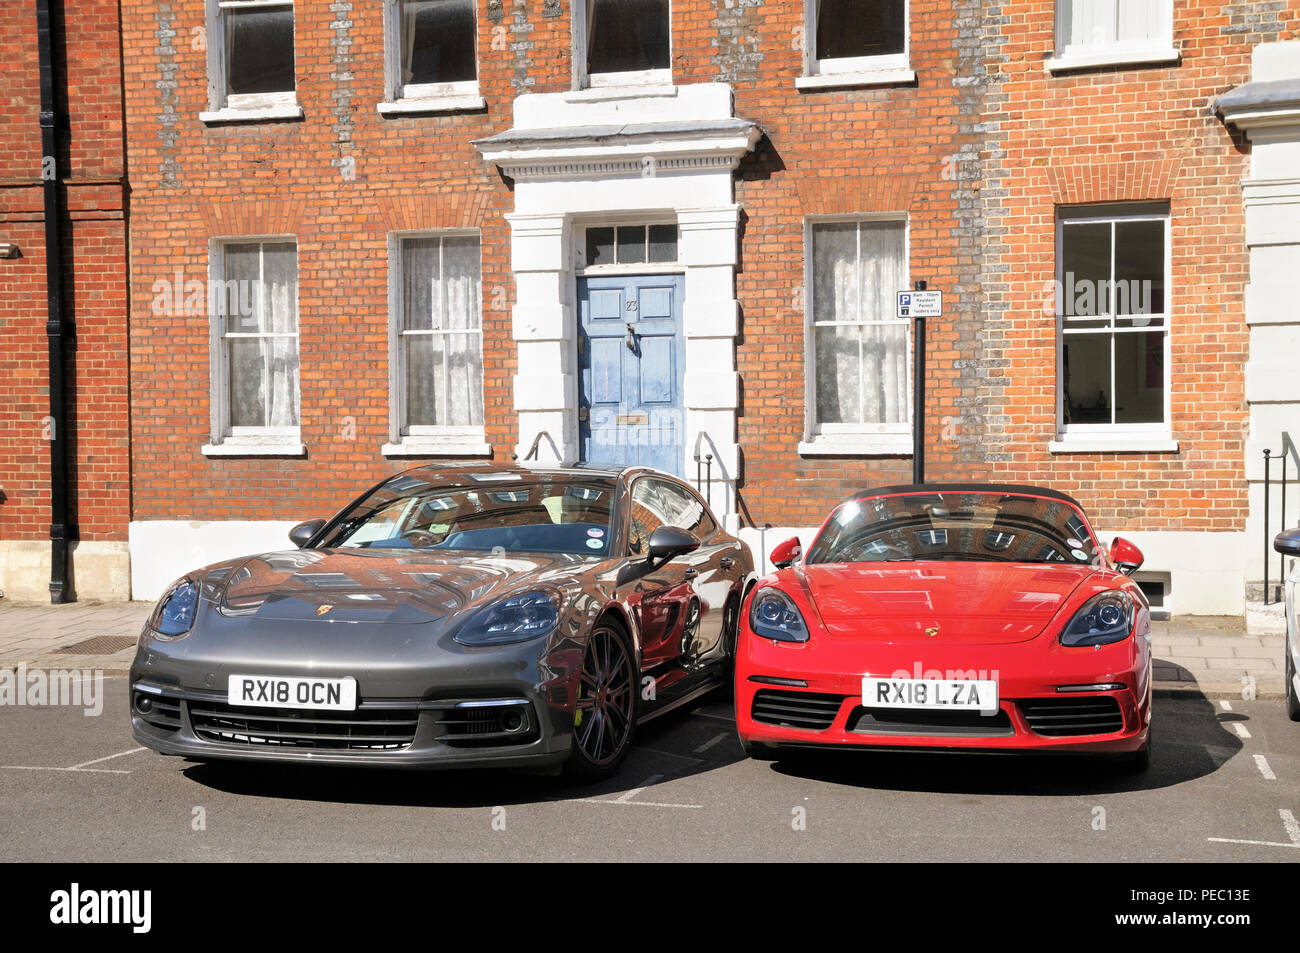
<point x="175" y="612"/>
<point x="516" y="619"/>
<point x="1103" y="619"/>
<point x="773" y="615"/>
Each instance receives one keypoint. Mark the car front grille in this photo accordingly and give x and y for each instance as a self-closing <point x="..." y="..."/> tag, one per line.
<point x="809" y="710"/>
<point x="373" y="729"/>
<point x="921" y="723"/>
<point x="1060" y="717"/>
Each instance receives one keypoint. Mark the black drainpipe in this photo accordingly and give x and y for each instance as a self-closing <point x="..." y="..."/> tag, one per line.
<point x="58" y="329"/>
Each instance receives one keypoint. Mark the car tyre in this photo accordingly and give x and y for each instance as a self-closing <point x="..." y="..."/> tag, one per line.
<point x="731" y="633"/>
<point x="1139" y="761"/>
<point x="757" y="750"/>
<point x="604" y="717"/>
<point x="1292" y="702"/>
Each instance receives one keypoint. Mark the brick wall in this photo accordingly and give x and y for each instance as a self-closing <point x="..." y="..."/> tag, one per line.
<point x="977" y="152"/>
<point x="95" y="288"/>
<point x="1113" y="135"/>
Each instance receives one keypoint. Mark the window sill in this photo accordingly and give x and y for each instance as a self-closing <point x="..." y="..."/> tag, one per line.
<point x="883" y="77"/>
<point x="258" y="448"/>
<point x="1158" y="56"/>
<point x="627" y="91"/>
<point x="254" y="114"/>
<point x="861" y="445"/>
<point x="438" y="447"/>
<point x="439" y="104"/>
<point x="1152" y="444"/>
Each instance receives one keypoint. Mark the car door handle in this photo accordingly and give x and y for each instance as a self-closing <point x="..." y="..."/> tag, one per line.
<point x="727" y="562"/>
<point x="691" y="573"/>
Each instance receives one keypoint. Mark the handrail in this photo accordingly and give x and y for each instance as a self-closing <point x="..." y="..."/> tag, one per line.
<point x="537" y="440"/>
<point x="1289" y="445"/>
<point x="707" y="461"/>
<point x="1288" y="448"/>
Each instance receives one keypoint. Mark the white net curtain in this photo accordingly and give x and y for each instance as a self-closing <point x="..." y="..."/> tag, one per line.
<point x="860" y="348"/>
<point x="442" y="332"/>
<point x="261" y="304"/>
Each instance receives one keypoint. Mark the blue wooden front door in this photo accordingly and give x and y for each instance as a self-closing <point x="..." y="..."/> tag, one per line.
<point x="631" y="355"/>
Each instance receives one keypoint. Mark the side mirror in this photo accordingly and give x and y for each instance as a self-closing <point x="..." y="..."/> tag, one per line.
<point x="301" y="534"/>
<point x="1288" y="542"/>
<point x="669" y="542"/>
<point x="784" y="554"/>
<point x="1126" y="557"/>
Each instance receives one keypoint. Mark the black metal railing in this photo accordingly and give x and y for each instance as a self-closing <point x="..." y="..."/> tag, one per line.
<point x="1289" y="451"/>
<point x="537" y="442"/>
<point x="704" y="463"/>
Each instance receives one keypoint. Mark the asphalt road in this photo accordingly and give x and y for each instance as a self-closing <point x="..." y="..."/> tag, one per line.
<point x="1225" y="786"/>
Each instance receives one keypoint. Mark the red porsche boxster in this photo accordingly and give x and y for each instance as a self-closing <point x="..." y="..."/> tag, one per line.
<point x="949" y="616"/>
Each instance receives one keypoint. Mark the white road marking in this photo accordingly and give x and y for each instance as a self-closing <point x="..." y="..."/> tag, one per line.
<point x="668" y="754"/>
<point x="1290" y="825"/>
<point x="711" y="742"/>
<point x="1227" y="705"/>
<point x="120" y="754"/>
<point x="1258" y="843"/>
<point x="648" y="804"/>
<point x="1262" y="763"/>
<point x="628" y="797"/>
<point x="707" y="714"/>
<point x="84" y="767"/>
<point x="1240" y="729"/>
<point x="30" y="767"/>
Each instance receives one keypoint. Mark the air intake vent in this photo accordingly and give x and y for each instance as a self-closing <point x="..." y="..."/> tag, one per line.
<point x="376" y="729"/>
<point x="1059" y="717"/>
<point x="160" y="711"/>
<point x="808" y="710"/>
<point x="924" y="724"/>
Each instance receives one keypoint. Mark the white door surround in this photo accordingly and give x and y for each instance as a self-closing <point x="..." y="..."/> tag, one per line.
<point x="658" y="154"/>
<point x="1268" y="110"/>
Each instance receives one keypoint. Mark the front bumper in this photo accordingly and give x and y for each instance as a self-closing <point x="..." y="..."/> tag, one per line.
<point x="827" y="709"/>
<point x="503" y="708"/>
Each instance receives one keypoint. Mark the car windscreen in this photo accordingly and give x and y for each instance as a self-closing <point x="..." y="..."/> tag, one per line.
<point x="543" y="516"/>
<point x="991" y="526"/>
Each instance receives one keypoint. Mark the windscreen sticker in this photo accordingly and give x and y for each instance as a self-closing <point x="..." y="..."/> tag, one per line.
<point x="1078" y="554"/>
<point x="595" y="533"/>
<point x="595" y="544"/>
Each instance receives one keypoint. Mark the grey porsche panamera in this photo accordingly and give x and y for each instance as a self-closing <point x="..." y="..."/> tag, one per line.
<point x="462" y="616"/>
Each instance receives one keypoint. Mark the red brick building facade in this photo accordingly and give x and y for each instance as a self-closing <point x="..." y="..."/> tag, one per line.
<point x="814" y="158"/>
<point x="89" y="169"/>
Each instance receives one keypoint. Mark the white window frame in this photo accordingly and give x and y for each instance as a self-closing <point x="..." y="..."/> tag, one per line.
<point x="1073" y="56"/>
<point x="582" y="269"/>
<point x="1138" y="437"/>
<point x="244" y="107"/>
<point x="584" y="80"/>
<point x="890" y="68"/>
<point x="402" y="97"/>
<point x="228" y="440"/>
<point x="881" y="439"/>
<point x="425" y="440"/>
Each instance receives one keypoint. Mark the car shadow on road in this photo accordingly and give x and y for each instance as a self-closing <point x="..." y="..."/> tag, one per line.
<point x="1190" y="740"/>
<point x="663" y="749"/>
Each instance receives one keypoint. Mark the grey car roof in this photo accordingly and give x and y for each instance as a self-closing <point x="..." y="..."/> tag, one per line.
<point x="474" y="472"/>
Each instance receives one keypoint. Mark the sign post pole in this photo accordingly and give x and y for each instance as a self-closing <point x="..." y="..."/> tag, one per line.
<point x="919" y="304"/>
